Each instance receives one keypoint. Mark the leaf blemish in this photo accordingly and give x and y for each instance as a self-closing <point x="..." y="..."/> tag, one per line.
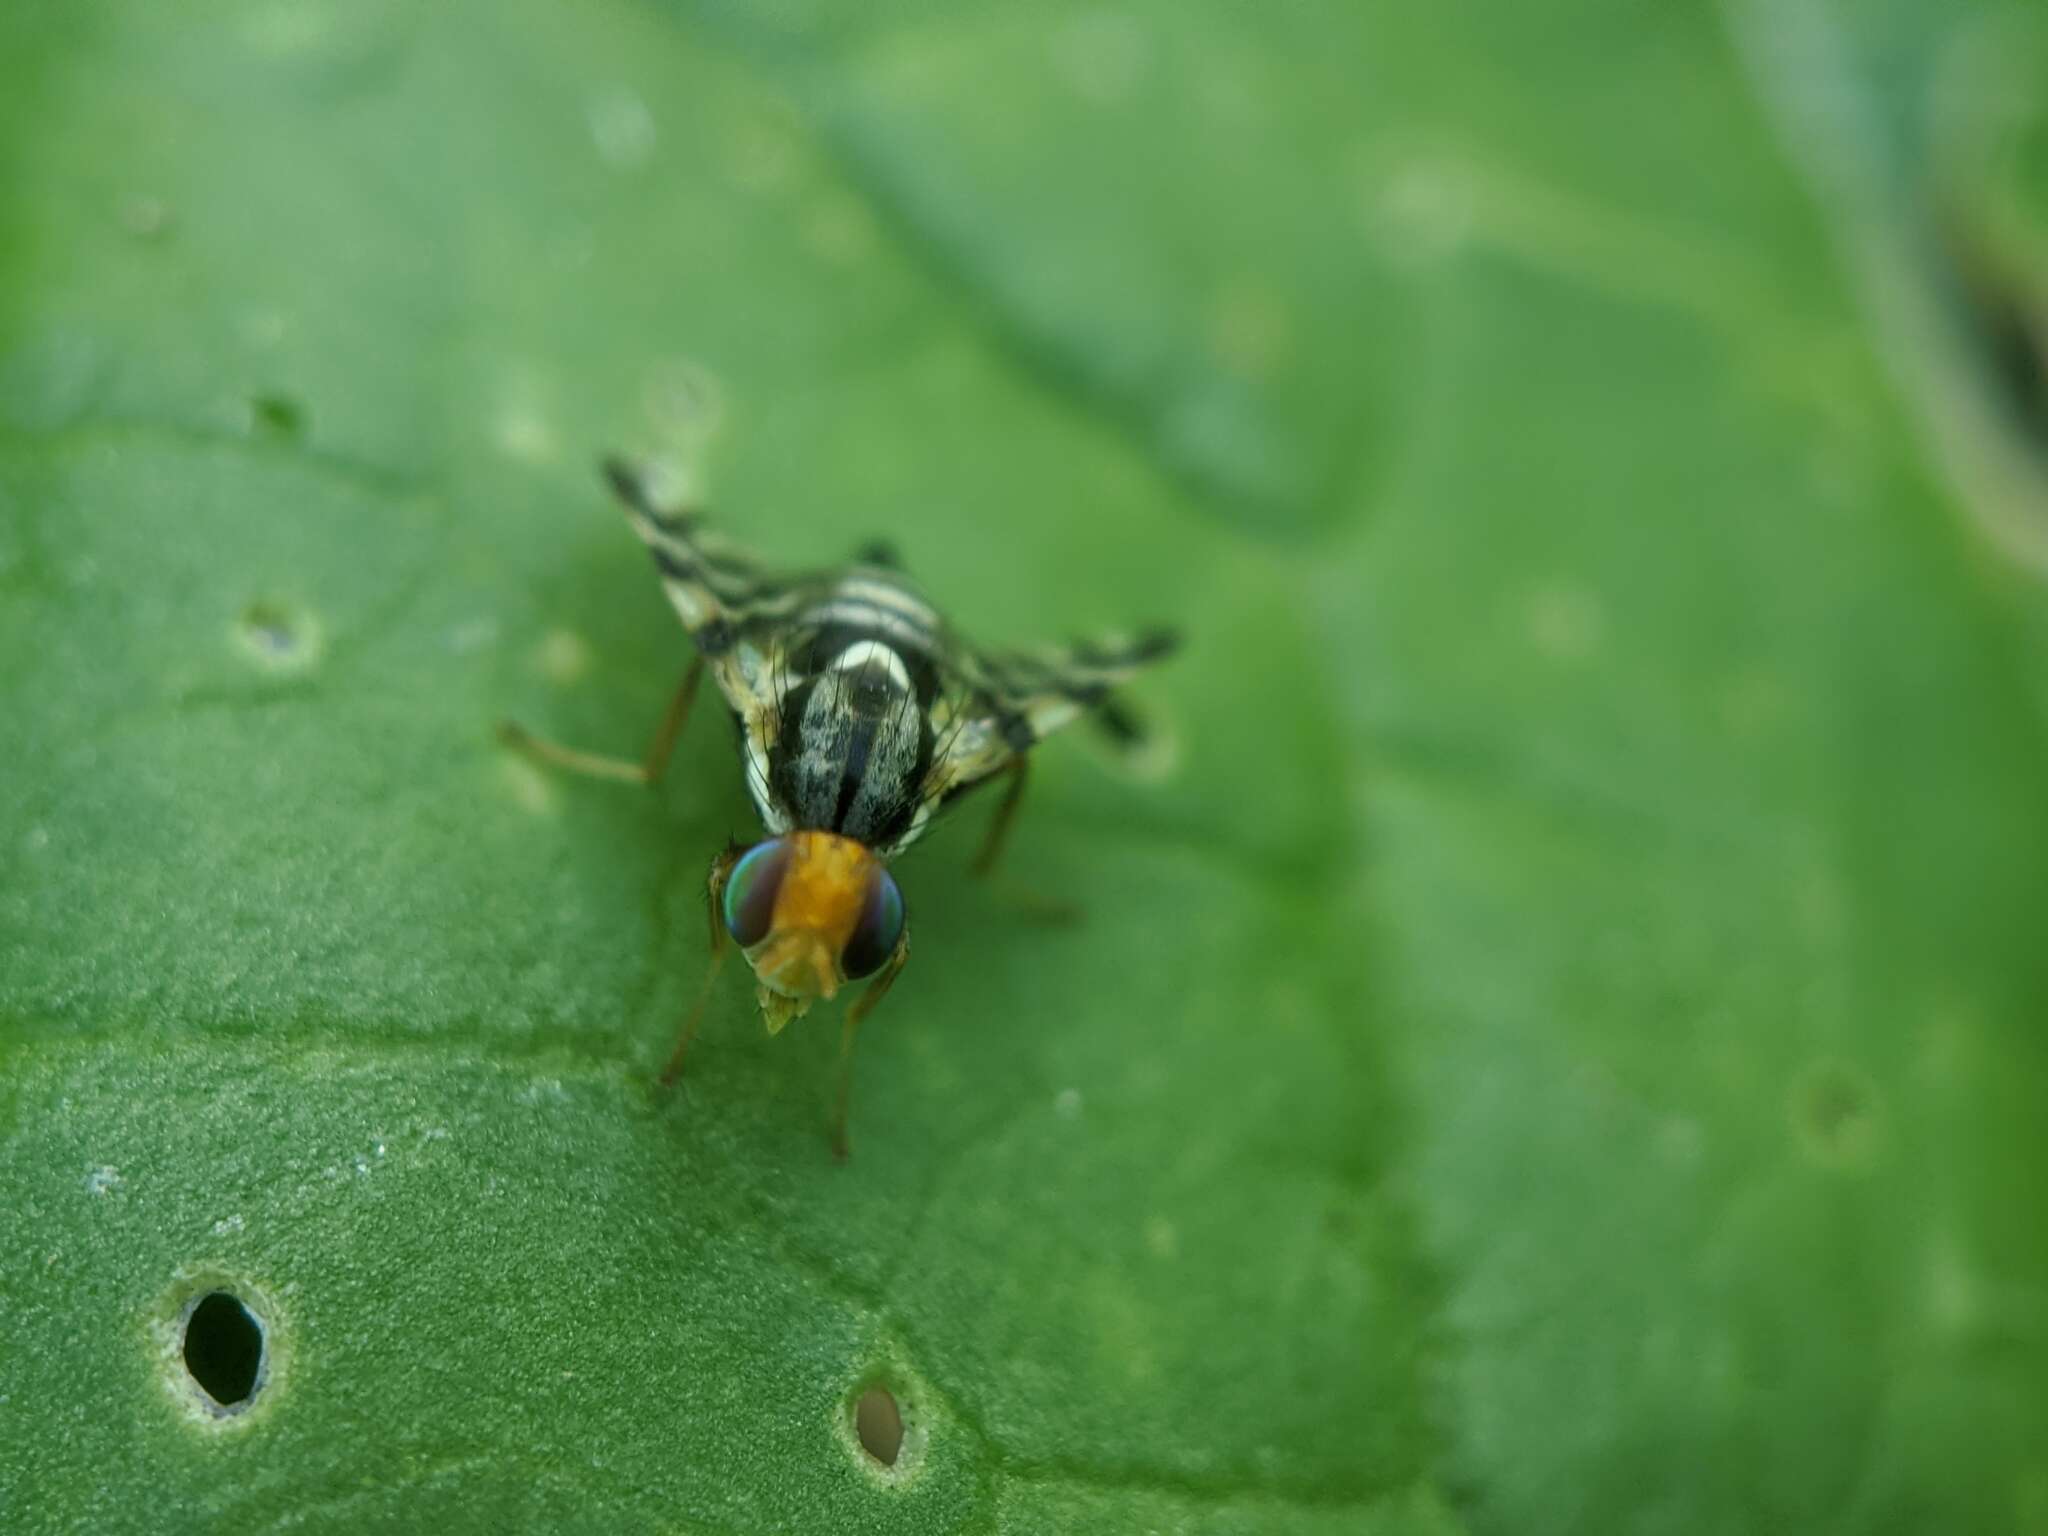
<point x="276" y="415"/>
<point x="530" y="788"/>
<point x="147" y="218"/>
<point x="277" y="637"/>
<point x="1566" y="622"/>
<point x="1836" y="1115"/>
<point x="621" y="127"/>
<point x="563" y="656"/>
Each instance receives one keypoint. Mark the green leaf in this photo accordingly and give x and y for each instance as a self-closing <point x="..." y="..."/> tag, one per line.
<point x="1559" y="1048"/>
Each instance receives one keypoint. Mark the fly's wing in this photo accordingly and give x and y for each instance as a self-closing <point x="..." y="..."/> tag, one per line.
<point x="733" y="610"/>
<point x="717" y="589"/>
<point x="1009" y="701"/>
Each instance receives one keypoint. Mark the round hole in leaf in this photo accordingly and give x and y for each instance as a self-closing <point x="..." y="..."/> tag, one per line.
<point x="277" y="636"/>
<point x="269" y="629"/>
<point x="879" y="1424"/>
<point x="223" y="1350"/>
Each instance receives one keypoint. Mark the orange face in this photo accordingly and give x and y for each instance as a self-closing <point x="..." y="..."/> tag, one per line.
<point x="812" y="910"/>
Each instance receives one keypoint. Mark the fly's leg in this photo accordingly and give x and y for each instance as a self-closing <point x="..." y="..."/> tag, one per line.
<point x="1006" y="813"/>
<point x="647" y="771"/>
<point x="721" y="871"/>
<point x="1038" y="908"/>
<point x="857" y="1010"/>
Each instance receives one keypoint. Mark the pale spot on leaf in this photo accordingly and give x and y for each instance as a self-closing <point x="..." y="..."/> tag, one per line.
<point x="563" y="656"/>
<point x="531" y="789"/>
<point x="1103" y="55"/>
<point x="1162" y="1238"/>
<point x="840" y="231"/>
<point x="1565" y="621"/>
<point x="622" y="127"/>
<point x="1250" y="328"/>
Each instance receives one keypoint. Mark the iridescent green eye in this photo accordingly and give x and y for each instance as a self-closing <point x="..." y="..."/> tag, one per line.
<point x="880" y="926"/>
<point x="751" y="888"/>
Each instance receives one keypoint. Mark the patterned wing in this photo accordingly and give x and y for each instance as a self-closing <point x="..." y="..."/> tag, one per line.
<point x="1010" y="701"/>
<point x="733" y="610"/>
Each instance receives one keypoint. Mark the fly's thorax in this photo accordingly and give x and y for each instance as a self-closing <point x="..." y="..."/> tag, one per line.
<point x="855" y="742"/>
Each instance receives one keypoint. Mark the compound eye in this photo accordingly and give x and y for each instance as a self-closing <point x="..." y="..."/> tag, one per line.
<point x="875" y="934"/>
<point x="751" y="888"/>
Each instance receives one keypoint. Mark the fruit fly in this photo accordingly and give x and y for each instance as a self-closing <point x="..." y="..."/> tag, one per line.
<point x="861" y="714"/>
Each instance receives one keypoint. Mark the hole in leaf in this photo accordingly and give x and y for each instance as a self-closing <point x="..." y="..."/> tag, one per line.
<point x="279" y="638"/>
<point x="224" y="1351"/>
<point x="269" y="629"/>
<point x="879" y="1424"/>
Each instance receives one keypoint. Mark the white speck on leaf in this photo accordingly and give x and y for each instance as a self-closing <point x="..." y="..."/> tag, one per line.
<point x="1419" y="208"/>
<point x="563" y="656"/>
<point x="1067" y="1104"/>
<point x="146" y="217"/>
<point x="473" y="635"/>
<point x="1103" y="55"/>
<point x="622" y="127"/>
<point x="1680" y="1141"/>
<point x="264" y="327"/>
<point x="522" y="433"/>
<point x="1565" y="621"/>
<point x="102" y="1180"/>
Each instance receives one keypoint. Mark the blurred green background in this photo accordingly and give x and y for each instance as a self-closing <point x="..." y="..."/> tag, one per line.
<point x="1559" y="1048"/>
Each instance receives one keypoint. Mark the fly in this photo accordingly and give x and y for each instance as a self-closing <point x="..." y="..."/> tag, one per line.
<point x="861" y="715"/>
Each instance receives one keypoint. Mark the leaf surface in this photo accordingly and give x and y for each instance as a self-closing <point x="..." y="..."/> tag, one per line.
<point x="1556" y="1051"/>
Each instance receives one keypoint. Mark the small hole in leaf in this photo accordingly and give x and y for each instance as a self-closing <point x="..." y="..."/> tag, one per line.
<point x="279" y="638"/>
<point x="269" y="630"/>
<point x="879" y="1424"/>
<point x="275" y="415"/>
<point x="224" y="1351"/>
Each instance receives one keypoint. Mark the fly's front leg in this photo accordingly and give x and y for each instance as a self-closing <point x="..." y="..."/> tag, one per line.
<point x="857" y="1010"/>
<point x="647" y="771"/>
<point x="721" y="871"/>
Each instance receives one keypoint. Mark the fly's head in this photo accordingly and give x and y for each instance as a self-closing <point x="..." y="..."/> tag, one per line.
<point x="811" y="911"/>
